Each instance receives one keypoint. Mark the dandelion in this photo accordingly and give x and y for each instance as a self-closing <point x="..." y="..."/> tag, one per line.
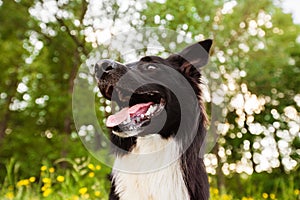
<point x="247" y="198"/>
<point x="91" y="167"/>
<point x="296" y="192"/>
<point x="51" y="170"/>
<point x="60" y="179"/>
<point x="98" y="167"/>
<point x="44" y="188"/>
<point x="91" y="174"/>
<point x="32" y="179"/>
<point x="74" y="197"/>
<point x="46" y="180"/>
<point x="23" y="182"/>
<point x="9" y="195"/>
<point x="47" y="192"/>
<point x="272" y="196"/>
<point x="265" y="195"/>
<point x="26" y="182"/>
<point x="43" y="168"/>
<point x="226" y="197"/>
<point x="85" y="196"/>
<point x="83" y="190"/>
<point x="215" y="191"/>
<point x="97" y="193"/>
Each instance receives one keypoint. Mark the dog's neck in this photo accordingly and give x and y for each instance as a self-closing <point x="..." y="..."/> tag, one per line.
<point x="162" y="177"/>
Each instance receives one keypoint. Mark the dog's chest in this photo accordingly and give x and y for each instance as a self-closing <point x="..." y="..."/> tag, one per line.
<point x="165" y="183"/>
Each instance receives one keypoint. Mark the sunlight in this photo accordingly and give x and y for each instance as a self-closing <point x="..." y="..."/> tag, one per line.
<point x="228" y="7"/>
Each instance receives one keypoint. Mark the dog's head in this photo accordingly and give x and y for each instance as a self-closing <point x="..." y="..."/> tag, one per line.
<point x="146" y="104"/>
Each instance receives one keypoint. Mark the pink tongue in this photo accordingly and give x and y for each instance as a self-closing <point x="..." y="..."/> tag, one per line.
<point x="122" y="115"/>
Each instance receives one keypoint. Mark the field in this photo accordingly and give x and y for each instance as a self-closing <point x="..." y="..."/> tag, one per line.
<point x="84" y="178"/>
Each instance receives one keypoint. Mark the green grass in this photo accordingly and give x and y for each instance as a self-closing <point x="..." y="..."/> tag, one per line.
<point x="84" y="178"/>
<point x="64" y="179"/>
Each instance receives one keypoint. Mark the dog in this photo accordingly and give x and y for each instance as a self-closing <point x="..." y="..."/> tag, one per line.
<point x="148" y="124"/>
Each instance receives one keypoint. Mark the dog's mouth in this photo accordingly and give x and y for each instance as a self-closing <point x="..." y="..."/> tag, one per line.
<point x="130" y="120"/>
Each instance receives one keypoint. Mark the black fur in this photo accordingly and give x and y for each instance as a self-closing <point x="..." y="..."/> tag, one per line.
<point x="113" y="195"/>
<point x="123" y="143"/>
<point x="187" y="62"/>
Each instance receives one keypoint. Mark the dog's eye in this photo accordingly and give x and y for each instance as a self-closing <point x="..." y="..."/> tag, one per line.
<point x="151" y="67"/>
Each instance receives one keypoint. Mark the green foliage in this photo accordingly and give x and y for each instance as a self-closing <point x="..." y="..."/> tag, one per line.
<point x="66" y="179"/>
<point x="85" y="178"/>
<point x="31" y="149"/>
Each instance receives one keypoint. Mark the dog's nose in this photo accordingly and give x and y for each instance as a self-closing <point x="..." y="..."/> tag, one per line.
<point x="104" y="66"/>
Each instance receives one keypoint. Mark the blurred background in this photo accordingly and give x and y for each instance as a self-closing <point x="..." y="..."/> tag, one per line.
<point x="256" y="50"/>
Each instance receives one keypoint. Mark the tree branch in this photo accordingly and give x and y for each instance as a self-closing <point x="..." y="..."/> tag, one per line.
<point x="74" y="38"/>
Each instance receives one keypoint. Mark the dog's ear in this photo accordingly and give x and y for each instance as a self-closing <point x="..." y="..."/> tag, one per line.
<point x="193" y="56"/>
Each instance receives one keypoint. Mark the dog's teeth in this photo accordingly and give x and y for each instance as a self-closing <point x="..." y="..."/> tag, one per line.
<point x="148" y="112"/>
<point x="150" y="109"/>
<point x="142" y="115"/>
<point x="128" y="119"/>
<point x="138" y="119"/>
<point x="154" y="107"/>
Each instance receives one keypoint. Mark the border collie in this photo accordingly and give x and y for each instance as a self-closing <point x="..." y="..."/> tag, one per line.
<point x="157" y="158"/>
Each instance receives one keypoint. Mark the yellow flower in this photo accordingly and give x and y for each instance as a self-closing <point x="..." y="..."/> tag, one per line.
<point x="23" y="182"/>
<point x="60" y="179"/>
<point x="46" y="180"/>
<point x="51" y="170"/>
<point x="91" y="174"/>
<point x="43" y="168"/>
<point x="97" y="193"/>
<point x="9" y="195"/>
<point x="215" y="191"/>
<point x="85" y="196"/>
<point x="32" y="179"/>
<point x="74" y="197"/>
<point x="265" y="195"/>
<point x="26" y="182"/>
<point x="47" y="192"/>
<point x="91" y="167"/>
<point x="44" y="188"/>
<point x="83" y="190"/>
<point x="272" y="196"/>
<point x="247" y="198"/>
<point x="226" y="197"/>
<point x="296" y="192"/>
<point x="98" y="167"/>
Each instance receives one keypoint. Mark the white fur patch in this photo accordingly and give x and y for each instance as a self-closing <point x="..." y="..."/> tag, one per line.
<point x="163" y="184"/>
